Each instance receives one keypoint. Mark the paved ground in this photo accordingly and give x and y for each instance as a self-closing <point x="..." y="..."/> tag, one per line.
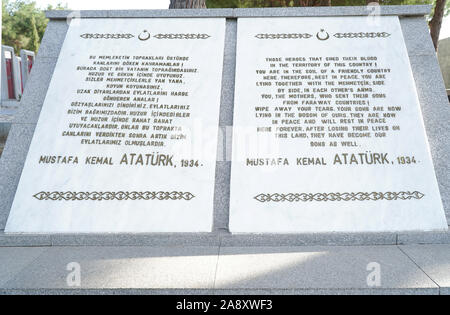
<point x="410" y="269"/>
<point x="7" y="113"/>
<point x="6" y="118"/>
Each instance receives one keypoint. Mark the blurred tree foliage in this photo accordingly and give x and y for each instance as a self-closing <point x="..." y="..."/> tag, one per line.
<point x="441" y="8"/>
<point x="23" y="24"/>
<point x="299" y="3"/>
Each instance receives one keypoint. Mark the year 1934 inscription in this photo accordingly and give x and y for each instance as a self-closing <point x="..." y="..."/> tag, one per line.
<point x="328" y="134"/>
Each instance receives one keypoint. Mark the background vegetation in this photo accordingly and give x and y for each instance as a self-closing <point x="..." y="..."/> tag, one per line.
<point x="23" y="24"/>
<point x="299" y="3"/>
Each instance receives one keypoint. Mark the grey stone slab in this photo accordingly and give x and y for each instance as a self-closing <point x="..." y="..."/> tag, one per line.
<point x="417" y="36"/>
<point x="13" y="260"/>
<point x="105" y="292"/>
<point x="24" y="240"/>
<point x="434" y="260"/>
<point x="122" y="267"/>
<point x="154" y="239"/>
<point x="11" y="164"/>
<point x="53" y="39"/>
<point x="229" y="73"/>
<point x="225" y="239"/>
<point x="65" y="14"/>
<point x="316" y="267"/>
<point x="222" y="196"/>
<point x="334" y="11"/>
<point x="170" y="13"/>
<point x="28" y="114"/>
<point x="35" y="91"/>
<point x="223" y="167"/>
<point x="415" y="291"/>
<point x="404" y="10"/>
<point x="312" y="239"/>
<point x="424" y="238"/>
<point x="241" y="292"/>
<point x="436" y="115"/>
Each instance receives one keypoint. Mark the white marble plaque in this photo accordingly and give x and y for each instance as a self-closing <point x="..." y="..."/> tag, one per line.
<point x="328" y="131"/>
<point x="127" y="137"/>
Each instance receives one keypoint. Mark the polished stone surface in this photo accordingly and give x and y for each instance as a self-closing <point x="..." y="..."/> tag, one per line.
<point x="121" y="267"/>
<point x="225" y="270"/>
<point x="13" y="260"/>
<point x="436" y="115"/>
<point x="315" y="267"/>
<point x="170" y="177"/>
<point x="345" y="188"/>
<point x="434" y="260"/>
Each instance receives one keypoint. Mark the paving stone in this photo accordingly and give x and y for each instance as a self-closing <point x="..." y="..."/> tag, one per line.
<point x="434" y="260"/>
<point x="122" y="267"/>
<point x="15" y="259"/>
<point x="316" y="268"/>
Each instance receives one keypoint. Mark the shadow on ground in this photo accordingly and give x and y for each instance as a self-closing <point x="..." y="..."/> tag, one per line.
<point x="224" y="268"/>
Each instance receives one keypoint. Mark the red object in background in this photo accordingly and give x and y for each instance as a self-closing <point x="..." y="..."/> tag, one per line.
<point x="21" y="75"/>
<point x="10" y="79"/>
<point x="30" y="63"/>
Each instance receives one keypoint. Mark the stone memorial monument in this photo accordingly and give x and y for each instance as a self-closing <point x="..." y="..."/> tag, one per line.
<point x="284" y="120"/>
<point x="336" y="106"/>
<point x="123" y="105"/>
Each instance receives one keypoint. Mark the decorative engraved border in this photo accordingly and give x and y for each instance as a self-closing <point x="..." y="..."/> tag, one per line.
<point x="284" y="36"/>
<point x="120" y="195"/>
<point x="346" y="196"/>
<point x="182" y="36"/>
<point x="106" y="36"/>
<point x="362" y="35"/>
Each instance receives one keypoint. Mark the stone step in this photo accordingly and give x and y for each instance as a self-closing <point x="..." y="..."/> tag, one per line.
<point x="224" y="239"/>
<point x="412" y="269"/>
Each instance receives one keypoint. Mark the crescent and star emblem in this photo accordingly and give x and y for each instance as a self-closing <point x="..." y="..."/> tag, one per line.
<point x="322" y="35"/>
<point x="144" y="35"/>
